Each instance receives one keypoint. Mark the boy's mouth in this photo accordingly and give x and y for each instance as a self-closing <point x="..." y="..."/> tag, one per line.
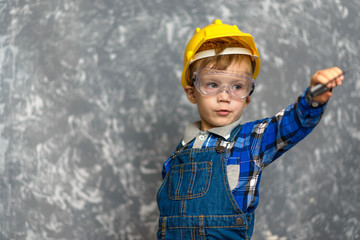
<point x="223" y="112"/>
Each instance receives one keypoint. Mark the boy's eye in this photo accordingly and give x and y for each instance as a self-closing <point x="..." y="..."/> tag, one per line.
<point x="212" y="85"/>
<point x="238" y="86"/>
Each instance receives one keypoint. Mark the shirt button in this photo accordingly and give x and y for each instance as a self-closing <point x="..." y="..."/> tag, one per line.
<point x="314" y="104"/>
<point x="201" y="137"/>
<point x="239" y="221"/>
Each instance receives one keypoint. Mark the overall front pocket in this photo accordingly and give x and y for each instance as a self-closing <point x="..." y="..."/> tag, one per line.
<point x="190" y="180"/>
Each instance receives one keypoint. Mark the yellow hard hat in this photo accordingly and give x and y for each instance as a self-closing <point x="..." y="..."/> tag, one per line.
<point x="217" y="30"/>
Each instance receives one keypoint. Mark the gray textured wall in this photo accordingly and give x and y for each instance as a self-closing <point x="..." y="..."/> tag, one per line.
<point x="91" y="105"/>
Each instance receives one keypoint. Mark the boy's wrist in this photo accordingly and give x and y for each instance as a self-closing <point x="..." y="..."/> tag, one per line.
<point x="311" y="101"/>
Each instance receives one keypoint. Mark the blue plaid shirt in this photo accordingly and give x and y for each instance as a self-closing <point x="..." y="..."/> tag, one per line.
<point x="257" y="144"/>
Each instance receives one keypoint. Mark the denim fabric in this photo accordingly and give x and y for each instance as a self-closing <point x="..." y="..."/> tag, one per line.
<point x="195" y="200"/>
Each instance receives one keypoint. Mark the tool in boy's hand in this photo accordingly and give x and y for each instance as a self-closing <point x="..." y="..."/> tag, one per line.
<point x="321" y="88"/>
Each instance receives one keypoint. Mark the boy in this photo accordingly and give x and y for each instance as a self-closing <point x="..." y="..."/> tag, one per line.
<point x="211" y="181"/>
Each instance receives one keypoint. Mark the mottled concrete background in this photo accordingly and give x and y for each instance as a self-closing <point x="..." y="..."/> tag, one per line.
<point x="91" y="105"/>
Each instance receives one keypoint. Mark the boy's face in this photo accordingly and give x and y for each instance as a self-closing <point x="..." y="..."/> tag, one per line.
<point x="220" y="109"/>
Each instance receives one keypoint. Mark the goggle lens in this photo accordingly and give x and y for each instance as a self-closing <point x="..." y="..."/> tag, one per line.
<point x="211" y="82"/>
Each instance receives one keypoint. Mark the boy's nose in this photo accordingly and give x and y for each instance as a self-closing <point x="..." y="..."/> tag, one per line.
<point x="224" y="95"/>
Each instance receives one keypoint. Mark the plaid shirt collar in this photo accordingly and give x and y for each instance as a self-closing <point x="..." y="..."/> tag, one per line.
<point x="193" y="130"/>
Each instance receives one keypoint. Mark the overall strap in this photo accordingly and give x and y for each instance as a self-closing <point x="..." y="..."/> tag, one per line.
<point x="179" y="148"/>
<point x="222" y="145"/>
<point x="235" y="132"/>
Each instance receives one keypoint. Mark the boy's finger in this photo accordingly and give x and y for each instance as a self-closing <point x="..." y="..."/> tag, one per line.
<point x="321" y="77"/>
<point x="331" y="73"/>
<point x="337" y="76"/>
<point x="340" y="80"/>
<point x="331" y="77"/>
<point x="338" y="70"/>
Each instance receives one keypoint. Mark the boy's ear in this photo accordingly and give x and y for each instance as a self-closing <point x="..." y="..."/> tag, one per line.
<point x="190" y="93"/>
<point x="248" y="99"/>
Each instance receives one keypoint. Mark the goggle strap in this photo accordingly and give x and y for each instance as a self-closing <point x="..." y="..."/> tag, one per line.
<point x="226" y="51"/>
<point x="252" y="88"/>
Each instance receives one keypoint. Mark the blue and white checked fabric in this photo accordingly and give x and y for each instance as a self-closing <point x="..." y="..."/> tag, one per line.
<point x="257" y="144"/>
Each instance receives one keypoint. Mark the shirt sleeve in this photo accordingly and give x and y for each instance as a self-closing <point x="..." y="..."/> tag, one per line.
<point x="271" y="137"/>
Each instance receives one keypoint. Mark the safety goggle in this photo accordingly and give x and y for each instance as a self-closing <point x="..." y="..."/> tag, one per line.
<point x="210" y="82"/>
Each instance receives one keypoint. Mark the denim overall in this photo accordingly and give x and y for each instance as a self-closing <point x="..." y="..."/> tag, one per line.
<point x="195" y="200"/>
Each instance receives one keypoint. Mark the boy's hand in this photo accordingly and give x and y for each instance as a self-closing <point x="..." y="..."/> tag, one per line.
<point x="323" y="77"/>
